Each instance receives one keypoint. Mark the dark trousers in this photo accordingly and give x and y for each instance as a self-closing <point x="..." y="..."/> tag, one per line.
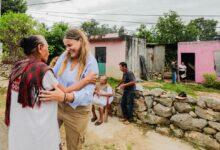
<point x="127" y="104"/>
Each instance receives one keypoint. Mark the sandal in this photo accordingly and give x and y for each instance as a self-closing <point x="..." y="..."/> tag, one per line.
<point x="126" y="122"/>
<point x="98" y="123"/>
<point x="94" y="119"/>
<point x="61" y="145"/>
<point x="122" y="119"/>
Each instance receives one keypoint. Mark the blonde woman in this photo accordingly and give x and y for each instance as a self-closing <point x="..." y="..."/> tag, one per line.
<point x="72" y="66"/>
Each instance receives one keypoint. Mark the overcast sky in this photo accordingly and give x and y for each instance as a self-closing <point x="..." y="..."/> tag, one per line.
<point x="146" y="7"/>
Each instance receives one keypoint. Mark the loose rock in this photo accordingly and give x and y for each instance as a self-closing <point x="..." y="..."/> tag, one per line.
<point x="186" y="122"/>
<point x="202" y="140"/>
<point x="162" y="110"/>
<point x="182" y="107"/>
<point x="207" y="114"/>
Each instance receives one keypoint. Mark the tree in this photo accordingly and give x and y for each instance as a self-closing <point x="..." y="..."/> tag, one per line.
<point x="121" y="30"/>
<point x="13" y="27"/>
<point x="191" y="32"/>
<point x="144" y="33"/>
<point x="90" y="27"/>
<point x="204" y="29"/>
<point x="93" y="27"/>
<point x="169" y="28"/>
<point x="54" y="38"/>
<point x="17" y="6"/>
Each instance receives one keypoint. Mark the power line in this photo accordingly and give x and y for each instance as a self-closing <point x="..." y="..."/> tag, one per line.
<point x="137" y="22"/>
<point x="108" y="20"/>
<point x="115" y="14"/>
<point x="55" y="21"/>
<point x="43" y="3"/>
<point x="73" y="24"/>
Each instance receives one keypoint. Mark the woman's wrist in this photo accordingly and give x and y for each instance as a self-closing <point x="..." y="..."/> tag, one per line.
<point x="87" y="81"/>
<point x="69" y="97"/>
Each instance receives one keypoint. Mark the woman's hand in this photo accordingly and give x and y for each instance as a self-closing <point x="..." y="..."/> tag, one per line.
<point x="56" y="95"/>
<point x="91" y="78"/>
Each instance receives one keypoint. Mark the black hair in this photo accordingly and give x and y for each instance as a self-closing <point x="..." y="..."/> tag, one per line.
<point x="123" y="64"/>
<point x="30" y="43"/>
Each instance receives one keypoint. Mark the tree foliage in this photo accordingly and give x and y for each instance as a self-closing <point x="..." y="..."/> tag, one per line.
<point x="13" y="27"/>
<point x="144" y="33"/>
<point x="204" y="29"/>
<point x="16" y="6"/>
<point x="169" y="28"/>
<point x="93" y="27"/>
<point x="54" y="38"/>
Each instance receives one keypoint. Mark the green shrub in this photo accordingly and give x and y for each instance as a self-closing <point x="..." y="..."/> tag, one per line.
<point x="113" y="82"/>
<point x="13" y="27"/>
<point x="210" y="81"/>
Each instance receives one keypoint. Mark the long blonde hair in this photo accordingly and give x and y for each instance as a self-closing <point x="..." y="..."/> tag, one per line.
<point x="77" y="34"/>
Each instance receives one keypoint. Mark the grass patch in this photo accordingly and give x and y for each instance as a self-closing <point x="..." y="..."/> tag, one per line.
<point x="189" y="88"/>
<point x="110" y="147"/>
<point x="2" y="97"/>
<point x="113" y="82"/>
<point x="2" y="101"/>
<point x="129" y="146"/>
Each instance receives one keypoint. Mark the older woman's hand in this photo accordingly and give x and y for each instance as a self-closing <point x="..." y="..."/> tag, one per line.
<point x="56" y="95"/>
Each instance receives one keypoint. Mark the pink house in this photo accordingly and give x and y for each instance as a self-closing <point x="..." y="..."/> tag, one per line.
<point x="111" y="49"/>
<point x="200" y="58"/>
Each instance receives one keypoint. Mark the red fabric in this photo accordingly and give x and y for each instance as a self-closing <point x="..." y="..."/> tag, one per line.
<point x="31" y="74"/>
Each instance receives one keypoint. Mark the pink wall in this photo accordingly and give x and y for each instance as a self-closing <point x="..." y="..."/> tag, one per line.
<point x="115" y="53"/>
<point x="204" y="56"/>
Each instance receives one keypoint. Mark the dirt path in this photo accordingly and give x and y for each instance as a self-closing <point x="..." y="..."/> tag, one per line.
<point x="3" y="134"/>
<point x="114" y="135"/>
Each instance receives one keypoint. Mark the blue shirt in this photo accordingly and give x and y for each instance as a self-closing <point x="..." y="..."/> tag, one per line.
<point x="85" y="95"/>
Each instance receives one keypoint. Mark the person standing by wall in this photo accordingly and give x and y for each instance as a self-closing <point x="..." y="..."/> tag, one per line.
<point x="182" y="71"/>
<point x="128" y="85"/>
<point x="174" y="71"/>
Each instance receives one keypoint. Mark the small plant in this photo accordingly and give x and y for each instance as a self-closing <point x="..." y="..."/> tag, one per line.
<point x="211" y="81"/>
<point x="113" y="82"/>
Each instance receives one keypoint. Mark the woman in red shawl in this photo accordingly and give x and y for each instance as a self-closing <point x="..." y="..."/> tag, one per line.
<point x="33" y="124"/>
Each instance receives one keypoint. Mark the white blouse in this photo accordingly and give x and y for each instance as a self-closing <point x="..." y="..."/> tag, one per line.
<point x="34" y="128"/>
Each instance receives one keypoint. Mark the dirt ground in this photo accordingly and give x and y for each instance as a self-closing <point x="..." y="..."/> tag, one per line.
<point x="114" y="135"/>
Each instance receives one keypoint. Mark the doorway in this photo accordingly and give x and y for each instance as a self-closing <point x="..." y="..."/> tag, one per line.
<point x="189" y="61"/>
<point x="217" y="62"/>
<point x="100" y="55"/>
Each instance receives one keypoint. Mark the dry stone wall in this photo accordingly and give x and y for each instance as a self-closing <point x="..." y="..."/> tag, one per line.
<point x="196" y="120"/>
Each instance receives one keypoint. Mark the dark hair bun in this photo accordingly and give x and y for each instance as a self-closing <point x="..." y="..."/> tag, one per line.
<point x="28" y="44"/>
<point x="23" y="43"/>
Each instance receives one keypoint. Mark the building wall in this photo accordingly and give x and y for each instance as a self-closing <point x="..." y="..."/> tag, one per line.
<point x="204" y="56"/>
<point x="154" y="57"/>
<point x="115" y="53"/>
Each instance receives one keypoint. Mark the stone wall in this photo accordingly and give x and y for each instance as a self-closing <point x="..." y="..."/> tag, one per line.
<point x="196" y="120"/>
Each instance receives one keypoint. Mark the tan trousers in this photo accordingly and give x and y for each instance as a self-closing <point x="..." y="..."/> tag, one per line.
<point x="75" y="123"/>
